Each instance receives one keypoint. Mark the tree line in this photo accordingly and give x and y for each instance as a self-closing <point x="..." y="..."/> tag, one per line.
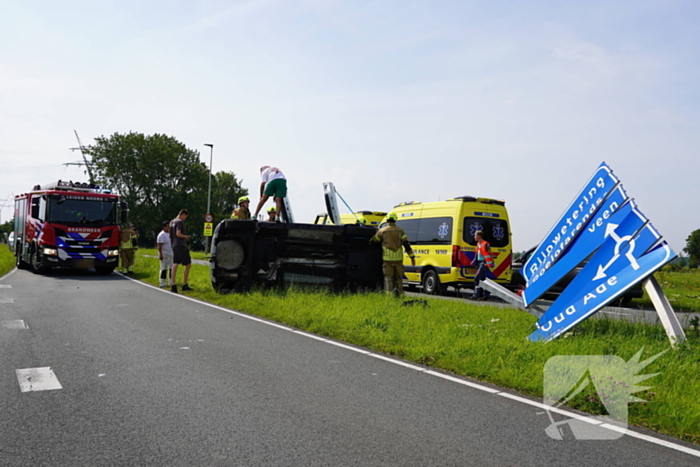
<point x="158" y="175"/>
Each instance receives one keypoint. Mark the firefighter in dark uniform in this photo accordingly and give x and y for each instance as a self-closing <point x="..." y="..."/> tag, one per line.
<point x="242" y="212"/>
<point x="393" y="238"/>
<point x="484" y="262"/>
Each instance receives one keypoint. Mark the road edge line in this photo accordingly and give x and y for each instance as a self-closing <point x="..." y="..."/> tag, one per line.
<point x="8" y="274"/>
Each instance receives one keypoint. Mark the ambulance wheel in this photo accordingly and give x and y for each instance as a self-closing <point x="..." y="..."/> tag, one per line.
<point x="431" y="283"/>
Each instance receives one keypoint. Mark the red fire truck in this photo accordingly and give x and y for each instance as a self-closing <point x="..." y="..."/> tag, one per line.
<point x="67" y="224"/>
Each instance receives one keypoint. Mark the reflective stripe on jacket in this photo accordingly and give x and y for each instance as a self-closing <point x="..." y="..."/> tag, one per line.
<point x="484" y="249"/>
<point x="241" y="213"/>
<point x="125" y="237"/>
<point x="392" y="237"/>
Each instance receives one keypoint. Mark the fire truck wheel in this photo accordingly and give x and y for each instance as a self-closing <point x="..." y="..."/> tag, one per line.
<point x="37" y="267"/>
<point x="19" y="263"/>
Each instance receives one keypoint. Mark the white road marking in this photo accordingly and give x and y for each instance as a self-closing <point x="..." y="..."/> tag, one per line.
<point x="15" y="324"/>
<point x="464" y="382"/>
<point x="397" y="362"/>
<point x="550" y="408"/>
<point x="37" y="379"/>
<point x="651" y="439"/>
<point x="8" y="274"/>
<point x="5" y="286"/>
<point x="7" y="300"/>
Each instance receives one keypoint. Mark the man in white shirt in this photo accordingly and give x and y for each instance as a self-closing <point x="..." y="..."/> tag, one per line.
<point x="165" y="254"/>
<point x="274" y="184"/>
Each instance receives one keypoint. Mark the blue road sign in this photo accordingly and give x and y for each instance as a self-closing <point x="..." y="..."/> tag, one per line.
<point x="607" y="217"/>
<point x="575" y="218"/>
<point x="631" y="253"/>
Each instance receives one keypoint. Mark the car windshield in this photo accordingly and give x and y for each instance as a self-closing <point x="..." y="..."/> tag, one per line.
<point x="82" y="210"/>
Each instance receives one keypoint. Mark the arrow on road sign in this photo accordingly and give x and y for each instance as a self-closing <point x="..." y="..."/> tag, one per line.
<point x="561" y="317"/>
<point x="586" y="294"/>
<point x="628" y="241"/>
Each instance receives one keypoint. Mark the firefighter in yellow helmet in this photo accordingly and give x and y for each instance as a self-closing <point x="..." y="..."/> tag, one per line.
<point x="242" y="212"/>
<point x="362" y="221"/>
<point x="393" y="238"/>
<point x="272" y="213"/>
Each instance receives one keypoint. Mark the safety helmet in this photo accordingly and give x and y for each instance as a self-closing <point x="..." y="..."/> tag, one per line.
<point x="271" y="209"/>
<point x="362" y="220"/>
<point x="243" y="199"/>
<point x="392" y="217"/>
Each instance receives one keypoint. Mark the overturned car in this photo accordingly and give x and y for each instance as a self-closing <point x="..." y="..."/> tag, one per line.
<point x="247" y="252"/>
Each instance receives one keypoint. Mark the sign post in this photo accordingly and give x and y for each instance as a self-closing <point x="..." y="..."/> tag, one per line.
<point x="623" y="249"/>
<point x="208" y="226"/>
<point x="668" y="318"/>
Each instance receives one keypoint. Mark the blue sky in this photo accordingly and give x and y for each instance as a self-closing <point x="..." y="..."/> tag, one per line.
<point x="391" y="100"/>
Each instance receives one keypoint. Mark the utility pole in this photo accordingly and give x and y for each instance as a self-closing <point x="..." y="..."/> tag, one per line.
<point x="87" y="164"/>
<point x="211" y="158"/>
<point x="4" y="204"/>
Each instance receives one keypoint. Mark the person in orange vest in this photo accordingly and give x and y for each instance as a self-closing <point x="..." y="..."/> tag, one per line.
<point x="392" y="238"/>
<point x="484" y="262"/>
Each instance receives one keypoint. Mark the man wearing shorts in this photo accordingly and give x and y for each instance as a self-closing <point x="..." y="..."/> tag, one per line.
<point x="181" y="254"/>
<point x="165" y="254"/>
<point x="274" y="184"/>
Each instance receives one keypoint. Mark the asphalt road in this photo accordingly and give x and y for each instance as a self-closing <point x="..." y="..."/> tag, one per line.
<point x="151" y="378"/>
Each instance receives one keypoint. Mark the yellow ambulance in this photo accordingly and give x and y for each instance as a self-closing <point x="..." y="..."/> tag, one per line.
<point x="442" y="237"/>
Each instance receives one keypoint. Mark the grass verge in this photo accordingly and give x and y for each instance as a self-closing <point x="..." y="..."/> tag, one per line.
<point x="7" y="259"/>
<point x="681" y="287"/>
<point x="486" y="343"/>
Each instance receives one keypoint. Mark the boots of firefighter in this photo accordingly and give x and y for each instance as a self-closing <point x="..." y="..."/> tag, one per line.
<point x="478" y="293"/>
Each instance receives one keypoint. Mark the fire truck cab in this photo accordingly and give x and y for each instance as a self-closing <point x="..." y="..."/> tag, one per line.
<point x="67" y="224"/>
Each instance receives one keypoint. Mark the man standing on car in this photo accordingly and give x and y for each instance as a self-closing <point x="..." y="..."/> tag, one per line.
<point x="392" y="238"/>
<point x="181" y="254"/>
<point x="484" y="262"/>
<point x="274" y="184"/>
<point x="165" y="254"/>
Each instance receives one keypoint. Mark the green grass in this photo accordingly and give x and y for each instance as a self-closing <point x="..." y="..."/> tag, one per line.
<point x="198" y="255"/>
<point x="681" y="287"/>
<point x="485" y="343"/>
<point x="7" y="259"/>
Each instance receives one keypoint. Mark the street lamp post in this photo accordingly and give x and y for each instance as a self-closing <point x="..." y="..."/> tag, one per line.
<point x="211" y="158"/>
